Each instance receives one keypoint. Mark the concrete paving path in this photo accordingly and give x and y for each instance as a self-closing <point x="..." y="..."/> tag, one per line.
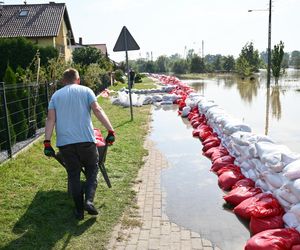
<point x="147" y="226"/>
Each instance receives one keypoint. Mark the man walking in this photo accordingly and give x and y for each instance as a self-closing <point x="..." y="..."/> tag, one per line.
<point x="69" y="111"/>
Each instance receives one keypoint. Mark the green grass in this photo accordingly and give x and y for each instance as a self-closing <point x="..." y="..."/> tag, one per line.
<point x="35" y="209"/>
<point x="145" y="84"/>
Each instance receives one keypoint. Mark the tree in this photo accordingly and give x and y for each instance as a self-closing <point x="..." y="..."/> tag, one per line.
<point x="161" y="64"/>
<point x="197" y="65"/>
<point x="217" y="63"/>
<point x="229" y="63"/>
<point x="19" y="52"/>
<point x="277" y="57"/>
<point x="180" y="66"/>
<point x="295" y="59"/>
<point x="248" y="61"/>
<point x="87" y="55"/>
<point x="14" y="106"/>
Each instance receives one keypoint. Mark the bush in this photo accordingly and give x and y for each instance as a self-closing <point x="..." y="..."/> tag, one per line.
<point x="119" y="76"/>
<point x="14" y="106"/>
<point x="138" y="78"/>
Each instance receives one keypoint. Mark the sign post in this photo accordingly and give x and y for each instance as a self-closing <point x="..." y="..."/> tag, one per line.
<point x="125" y="43"/>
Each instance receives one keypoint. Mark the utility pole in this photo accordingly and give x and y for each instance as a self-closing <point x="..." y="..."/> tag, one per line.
<point x="269" y="45"/>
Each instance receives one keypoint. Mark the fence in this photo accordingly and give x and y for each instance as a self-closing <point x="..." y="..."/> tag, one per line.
<point x="23" y="109"/>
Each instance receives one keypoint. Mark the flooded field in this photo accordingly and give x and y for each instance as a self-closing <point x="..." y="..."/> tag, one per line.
<point x="193" y="198"/>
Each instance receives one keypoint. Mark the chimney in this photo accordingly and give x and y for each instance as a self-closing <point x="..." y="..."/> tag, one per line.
<point x="80" y="40"/>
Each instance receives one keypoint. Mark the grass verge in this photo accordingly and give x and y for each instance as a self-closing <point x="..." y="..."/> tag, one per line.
<point x="35" y="209"/>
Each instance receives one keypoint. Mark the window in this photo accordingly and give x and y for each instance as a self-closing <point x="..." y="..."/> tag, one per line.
<point x="23" y="13"/>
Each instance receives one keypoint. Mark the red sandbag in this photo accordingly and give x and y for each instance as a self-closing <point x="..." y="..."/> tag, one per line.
<point x="193" y="116"/>
<point x="204" y="134"/>
<point x="195" y="124"/>
<point x="222" y="151"/>
<point x="211" y="144"/>
<point x="196" y="132"/>
<point x="227" y="158"/>
<point x="222" y="162"/>
<point x="240" y="193"/>
<point x="260" y="205"/>
<point x="229" y="178"/>
<point x="227" y="168"/>
<point x="258" y="225"/>
<point x="274" y="239"/>
<point x="210" y="139"/>
<point x="247" y="182"/>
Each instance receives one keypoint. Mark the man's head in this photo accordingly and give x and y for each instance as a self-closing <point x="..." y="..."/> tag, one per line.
<point x="71" y="76"/>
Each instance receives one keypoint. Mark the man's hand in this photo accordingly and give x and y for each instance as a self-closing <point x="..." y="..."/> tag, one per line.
<point x="110" y="138"/>
<point x="48" y="150"/>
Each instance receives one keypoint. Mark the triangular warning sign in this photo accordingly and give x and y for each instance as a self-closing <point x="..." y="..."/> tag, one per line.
<point x="125" y="41"/>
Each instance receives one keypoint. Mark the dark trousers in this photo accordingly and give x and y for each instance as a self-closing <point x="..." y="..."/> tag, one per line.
<point x="76" y="156"/>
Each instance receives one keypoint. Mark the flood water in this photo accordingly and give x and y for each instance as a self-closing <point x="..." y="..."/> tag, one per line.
<point x="193" y="198"/>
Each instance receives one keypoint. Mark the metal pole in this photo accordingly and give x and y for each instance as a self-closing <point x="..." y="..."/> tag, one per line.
<point x="267" y="112"/>
<point x="127" y="68"/>
<point x="47" y="95"/>
<point x="6" y="120"/>
<point x="269" y="45"/>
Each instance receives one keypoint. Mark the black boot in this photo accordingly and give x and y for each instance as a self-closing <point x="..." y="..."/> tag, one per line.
<point x="89" y="198"/>
<point x="90" y="208"/>
<point x="79" y="212"/>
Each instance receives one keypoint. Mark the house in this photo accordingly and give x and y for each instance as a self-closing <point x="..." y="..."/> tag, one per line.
<point x="100" y="46"/>
<point x="43" y="24"/>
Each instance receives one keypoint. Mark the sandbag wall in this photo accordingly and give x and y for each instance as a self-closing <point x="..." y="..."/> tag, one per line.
<point x="261" y="178"/>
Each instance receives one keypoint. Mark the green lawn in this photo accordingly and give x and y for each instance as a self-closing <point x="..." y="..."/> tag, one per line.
<point x="35" y="209"/>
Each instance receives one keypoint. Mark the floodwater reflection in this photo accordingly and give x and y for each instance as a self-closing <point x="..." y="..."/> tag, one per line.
<point x="193" y="198"/>
<point x="272" y="112"/>
<point x="275" y="102"/>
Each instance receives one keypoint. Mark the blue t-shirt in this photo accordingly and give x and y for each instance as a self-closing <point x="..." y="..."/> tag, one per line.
<point x="72" y="105"/>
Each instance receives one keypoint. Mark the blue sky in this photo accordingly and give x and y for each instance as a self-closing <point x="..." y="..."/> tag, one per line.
<point x="166" y="27"/>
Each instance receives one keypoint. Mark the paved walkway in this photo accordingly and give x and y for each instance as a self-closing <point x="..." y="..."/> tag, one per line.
<point x="147" y="226"/>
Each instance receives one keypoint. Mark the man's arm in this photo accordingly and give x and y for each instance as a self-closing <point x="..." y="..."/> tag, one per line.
<point x="50" y="123"/>
<point x="101" y="116"/>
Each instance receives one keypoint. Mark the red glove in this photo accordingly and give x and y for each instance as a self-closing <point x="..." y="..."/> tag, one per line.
<point x="110" y="138"/>
<point x="48" y="150"/>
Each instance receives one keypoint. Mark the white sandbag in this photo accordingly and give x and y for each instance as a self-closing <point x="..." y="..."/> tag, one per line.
<point x="156" y="98"/>
<point x="147" y="100"/>
<point x="289" y="157"/>
<point x="262" y="184"/>
<point x="123" y="98"/>
<point x="292" y="170"/>
<point x="296" y="210"/>
<point x="291" y="220"/>
<point x="185" y="111"/>
<point x="234" y="126"/>
<point x="204" y="105"/>
<point x="287" y="195"/>
<point x="258" y="165"/>
<point x="166" y="102"/>
<point x="140" y="100"/>
<point x="252" y="174"/>
<point x="245" y="165"/>
<point x="273" y="179"/>
<point x="270" y="152"/>
<point x="294" y="186"/>
<point x="134" y="99"/>
<point x="285" y="204"/>
<point x="274" y="167"/>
